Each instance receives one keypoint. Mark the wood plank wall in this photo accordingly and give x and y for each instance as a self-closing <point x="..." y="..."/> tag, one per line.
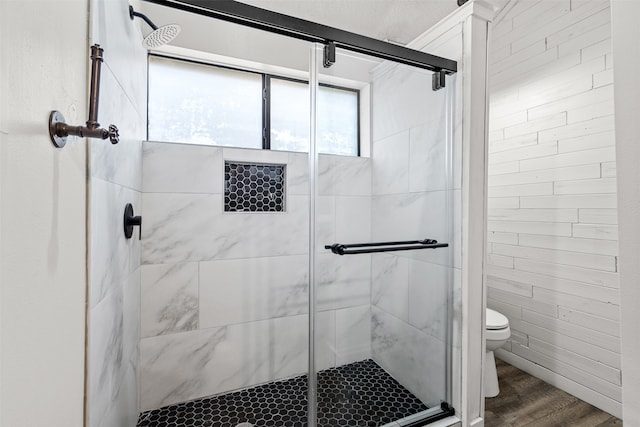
<point x="552" y="229"/>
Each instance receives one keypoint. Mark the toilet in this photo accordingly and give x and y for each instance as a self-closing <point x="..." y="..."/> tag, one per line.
<point x="497" y="332"/>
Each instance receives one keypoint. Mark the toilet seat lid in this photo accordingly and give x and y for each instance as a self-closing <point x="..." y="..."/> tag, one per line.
<point x="496" y="320"/>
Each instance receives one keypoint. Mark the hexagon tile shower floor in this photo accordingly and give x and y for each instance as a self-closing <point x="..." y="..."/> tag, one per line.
<point x="359" y="394"/>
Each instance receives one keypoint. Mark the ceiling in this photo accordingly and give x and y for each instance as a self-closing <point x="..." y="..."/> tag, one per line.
<point x="396" y="21"/>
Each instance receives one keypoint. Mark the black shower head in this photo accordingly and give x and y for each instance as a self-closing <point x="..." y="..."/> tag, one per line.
<point x="160" y="35"/>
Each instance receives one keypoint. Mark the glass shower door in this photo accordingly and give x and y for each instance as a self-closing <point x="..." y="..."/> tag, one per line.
<point x="382" y="251"/>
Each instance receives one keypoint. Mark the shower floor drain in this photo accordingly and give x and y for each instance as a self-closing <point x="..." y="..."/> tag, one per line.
<point x="360" y="394"/>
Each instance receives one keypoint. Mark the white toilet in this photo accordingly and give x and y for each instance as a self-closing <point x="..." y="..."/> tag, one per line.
<point x="497" y="332"/>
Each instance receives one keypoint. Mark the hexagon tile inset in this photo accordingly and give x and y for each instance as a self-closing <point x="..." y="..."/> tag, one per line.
<point x="254" y="187"/>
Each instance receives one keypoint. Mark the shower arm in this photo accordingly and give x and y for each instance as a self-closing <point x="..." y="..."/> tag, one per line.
<point x="133" y="13"/>
<point x="59" y="130"/>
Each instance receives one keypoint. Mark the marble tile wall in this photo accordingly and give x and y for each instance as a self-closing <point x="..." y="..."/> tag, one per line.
<point x="225" y="294"/>
<point x="413" y="197"/>
<point x="114" y="262"/>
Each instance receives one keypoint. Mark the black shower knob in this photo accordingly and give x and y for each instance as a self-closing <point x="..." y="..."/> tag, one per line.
<point x="130" y="221"/>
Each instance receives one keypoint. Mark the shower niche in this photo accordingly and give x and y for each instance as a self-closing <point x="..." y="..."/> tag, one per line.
<point x="246" y="316"/>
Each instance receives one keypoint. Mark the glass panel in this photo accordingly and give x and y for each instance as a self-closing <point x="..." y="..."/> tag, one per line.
<point x="226" y="340"/>
<point x="383" y="319"/>
<point x="204" y="104"/>
<point x="276" y="313"/>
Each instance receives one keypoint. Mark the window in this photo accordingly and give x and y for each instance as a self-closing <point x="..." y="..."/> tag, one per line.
<point x="198" y="104"/>
<point x="205" y="104"/>
<point x="289" y="127"/>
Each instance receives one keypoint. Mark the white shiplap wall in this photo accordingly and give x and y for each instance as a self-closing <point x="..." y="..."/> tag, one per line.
<point x="552" y="229"/>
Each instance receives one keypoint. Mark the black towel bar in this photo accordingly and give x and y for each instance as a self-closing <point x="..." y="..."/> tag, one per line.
<point x="373" y="247"/>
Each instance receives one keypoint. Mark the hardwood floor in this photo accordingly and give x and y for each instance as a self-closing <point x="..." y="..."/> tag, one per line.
<point x="528" y="401"/>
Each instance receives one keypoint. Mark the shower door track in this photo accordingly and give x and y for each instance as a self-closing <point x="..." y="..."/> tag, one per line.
<point x="255" y="17"/>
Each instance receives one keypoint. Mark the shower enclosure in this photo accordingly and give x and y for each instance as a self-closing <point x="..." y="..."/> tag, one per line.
<point x="301" y="248"/>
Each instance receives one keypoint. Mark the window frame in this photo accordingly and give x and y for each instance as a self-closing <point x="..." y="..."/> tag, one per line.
<point x="266" y="98"/>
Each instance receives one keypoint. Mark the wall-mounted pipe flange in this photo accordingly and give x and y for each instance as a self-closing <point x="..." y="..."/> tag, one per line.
<point x="56" y="119"/>
<point x="59" y="130"/>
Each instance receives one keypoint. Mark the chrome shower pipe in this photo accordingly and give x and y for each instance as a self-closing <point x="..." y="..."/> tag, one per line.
<point x="59" y="130"/>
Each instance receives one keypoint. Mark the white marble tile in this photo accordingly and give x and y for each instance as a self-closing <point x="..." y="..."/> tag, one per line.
<point x="114" y="177"/>
<point x="390" y="164"/>
<point x="427" y="161"/>
<point x="456" y="167"/>
<point x="411" y="217"/>
<point x="288" y="345"/>
<point x="124" y="54"/>
<point x="169" y="298"/>
<point x="298" y="174"/>
<point x="188" y="365"/>
<point x="403" y="99"/>
<point x="181" y="227"/>
<point x="105" y="353"/>
<point x="353" y="219"/>
<point x="390" y="284"/>
<point x="119" y="163"/>
<point x="456" y="307"/>
<point x="131" y="320"/>
<point x="255" y="156"/>
<point x="325" y="339"/>
<point x="325" y="222"/>
<point x="353" y="334"/>
<point x="243" y="290"/>
<point x="455" y="93"/>
<point x="344" y="176"/>
<point x="456" y="336"/>
<point x="265" y="234"/>
<point x="180" y="367"/>
<point x="113" y="343"/>
<point x="123" y="410"/>
<point x="343" y="281"/>
<point x="112" y="257"/>
<point x="415" y="359"/>
<point x="408" y="216"/>
<point x="456" y="196"/>
<point x="122" y="405"/>
<point x="430" y="297"/>
<point x="181" y="168"/>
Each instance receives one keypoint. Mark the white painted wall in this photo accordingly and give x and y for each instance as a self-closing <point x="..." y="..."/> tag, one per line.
<point x="552" y="230"/>
<point x="42" y="211"/>
<point x="625" y="36"/>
